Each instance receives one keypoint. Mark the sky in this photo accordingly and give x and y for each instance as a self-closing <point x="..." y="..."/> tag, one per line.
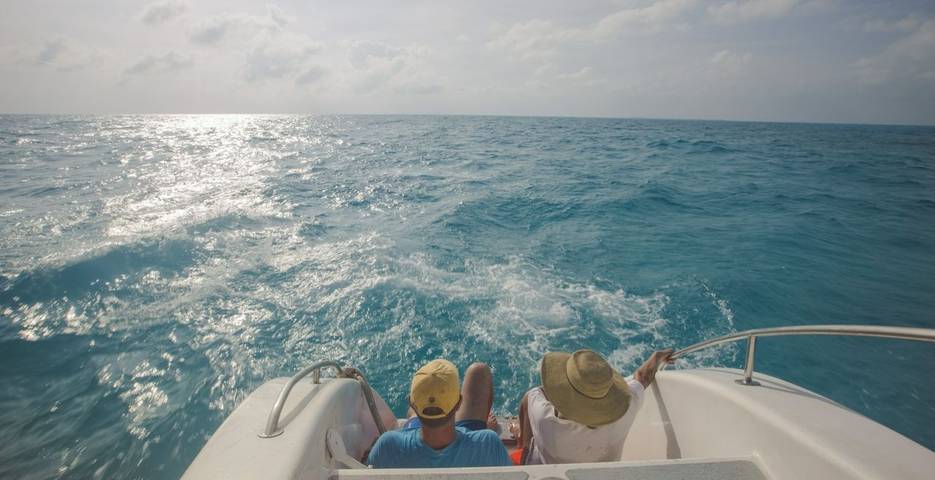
<point x="848" y="61"/>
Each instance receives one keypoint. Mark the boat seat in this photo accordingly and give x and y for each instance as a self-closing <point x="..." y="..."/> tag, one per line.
<point x="694" y="469"/>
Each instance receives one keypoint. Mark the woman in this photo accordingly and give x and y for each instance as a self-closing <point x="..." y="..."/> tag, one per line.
<point x="584" y="408"/>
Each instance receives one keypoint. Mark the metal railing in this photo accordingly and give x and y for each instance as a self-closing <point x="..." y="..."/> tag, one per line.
<point x="371" y="403"/>
<point x="903" y="333"/>
<point x="272" y="422"/>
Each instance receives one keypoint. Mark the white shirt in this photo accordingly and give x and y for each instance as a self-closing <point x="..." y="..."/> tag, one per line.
<point x="557" y="440"/>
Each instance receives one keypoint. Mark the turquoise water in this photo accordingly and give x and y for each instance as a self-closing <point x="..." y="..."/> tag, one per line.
<point x="156" y="269"/>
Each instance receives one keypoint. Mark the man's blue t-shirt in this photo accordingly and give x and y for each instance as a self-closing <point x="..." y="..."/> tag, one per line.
<point x="405" y="449"/>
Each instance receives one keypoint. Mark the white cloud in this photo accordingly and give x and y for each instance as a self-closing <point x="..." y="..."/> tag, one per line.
<point x="907" y="24"/>
<point x="584" y="77"/>
<point x="652" y="17"/>
<point x="64" y="54"/>
<point x="727" y="58"/>
<point x="159" y="64"/>
<point x="51" y="51"/>
<point x="363" y="54"/>
<point x="910" y="59"/>
<point x="583" y="74"/>
<point x="161" y="12"/>
<point x="737" y="11"/>
<point x="213" y="30"/>
<point x="541" y="39"/>
<point x="419" y="89"/>
<point x="532" y="39"/>
<point x="377" y="64"/>
<point x="311" y="75"/>
<point x="279" y="57"/>
<point x="727" y="63"/>
<point x="377" y="75"/>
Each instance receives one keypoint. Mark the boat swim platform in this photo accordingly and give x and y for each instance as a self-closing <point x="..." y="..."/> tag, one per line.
<point x="688" y="469"/>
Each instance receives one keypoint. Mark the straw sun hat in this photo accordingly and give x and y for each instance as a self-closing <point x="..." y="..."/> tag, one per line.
<point x="584" y="388"/>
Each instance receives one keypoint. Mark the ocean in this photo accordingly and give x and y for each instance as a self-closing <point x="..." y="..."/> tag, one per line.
<point x="154" y="270"/>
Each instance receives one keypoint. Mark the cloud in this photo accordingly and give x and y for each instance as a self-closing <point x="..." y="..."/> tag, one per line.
<point x="376" y="64"/>
<point x="726" y="63"/>
<point x="63" y="54"/>
<point x="910" y="59"/>
<point x="727" y="58"/>
<point x="159" y="64"/>
<point x="584" y="77"/>
<point x="311" y="75"/>
<point x="737" y="11"/>
<point x="419" y="89"/>
<point x="52" y="50"/>
<point x="541" y="39"/>
<point x="378" y="75"/>
<point x="534" y="39"/>
<point x="280" y="57"/>
<point x="907" y="24"/>
<point x="161" y="12"/>
<point x="363" y="54"/>
<point x="583" y="74"/>
<point x="212" y="30"/>
<point x="649" y="18"/>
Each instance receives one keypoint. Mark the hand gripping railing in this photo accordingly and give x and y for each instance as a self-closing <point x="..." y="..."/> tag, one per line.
<point x="903" y="333"/>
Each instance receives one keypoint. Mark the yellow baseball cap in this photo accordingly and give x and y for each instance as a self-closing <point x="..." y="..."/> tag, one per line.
<point x="435" y="390"/>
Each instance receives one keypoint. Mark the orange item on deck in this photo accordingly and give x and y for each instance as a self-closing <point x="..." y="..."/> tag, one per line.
<point x="516" y="456"/>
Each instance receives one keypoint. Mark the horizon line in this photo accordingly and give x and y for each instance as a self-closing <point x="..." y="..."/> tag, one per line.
<point x="495" y="115"/>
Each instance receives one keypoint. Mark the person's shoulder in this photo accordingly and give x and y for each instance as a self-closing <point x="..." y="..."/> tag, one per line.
<point x="395" y="437"/>
<point x="636" y="388"/>
<point x="388" y="447"/>
<point x="483" y="436"/>
<point x="537" y="396"/>
<point x="483" y="433"/>
<point x="538" y="406"/>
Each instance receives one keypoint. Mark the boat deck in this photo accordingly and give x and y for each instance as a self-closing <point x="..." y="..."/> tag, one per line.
<point x="699" y="469"/>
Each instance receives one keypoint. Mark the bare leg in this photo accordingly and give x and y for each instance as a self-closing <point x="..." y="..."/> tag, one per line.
<point x="525" y="429"/>
<point x="476" y="393"/>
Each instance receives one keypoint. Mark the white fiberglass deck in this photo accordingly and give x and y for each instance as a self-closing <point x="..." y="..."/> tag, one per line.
<point x="696" y="423"/>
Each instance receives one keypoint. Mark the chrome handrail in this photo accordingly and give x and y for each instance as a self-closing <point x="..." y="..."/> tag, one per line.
<point x="272" y="422"/>
<point x="903" y="333"/>
<point x="371" y="404"/>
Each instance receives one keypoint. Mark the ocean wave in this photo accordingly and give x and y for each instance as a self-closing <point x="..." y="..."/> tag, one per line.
<point x="177" y="262"/>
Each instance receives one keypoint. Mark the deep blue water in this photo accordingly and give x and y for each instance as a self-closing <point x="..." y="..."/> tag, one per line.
<point x="156" y="269"/>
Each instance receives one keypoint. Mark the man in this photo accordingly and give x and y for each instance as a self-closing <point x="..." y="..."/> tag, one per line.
<point x="449" y="428"/>
<point x="584" y="408"/>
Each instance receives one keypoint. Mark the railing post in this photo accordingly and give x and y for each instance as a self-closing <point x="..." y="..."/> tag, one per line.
<point x="748" y="366"/>
<point x="903" y="333"/>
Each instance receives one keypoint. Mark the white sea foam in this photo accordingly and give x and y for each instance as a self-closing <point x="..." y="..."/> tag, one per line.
<point x="514" y="306"/>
